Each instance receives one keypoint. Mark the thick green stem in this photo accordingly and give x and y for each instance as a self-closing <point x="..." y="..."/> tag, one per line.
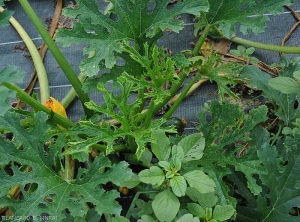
<point x="71" y="95"/>
<point x="36" y="58"/>
<point x="259" y="45"/>
<point x="181" y="97"/>
<point x="270" y="47"/>
<point x="141" y="97"/>
<point x="63" y="63"/>
<point x="173" y="90"/>
<point x="69" y="168"/>
<point x="149" y="114"/>
<point x="201" y="40"/>
<point x="60" y="120"/>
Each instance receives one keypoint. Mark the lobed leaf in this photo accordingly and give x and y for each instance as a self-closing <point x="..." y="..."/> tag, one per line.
<point x="287" y="112"/>
<point x="134" y="23"/>
<point x="5" y="16"/>
<point x="248" y="14"/>
<point x="43" y="190"/>
<point x="285" y="84"/>
<point x="9" y="74"/>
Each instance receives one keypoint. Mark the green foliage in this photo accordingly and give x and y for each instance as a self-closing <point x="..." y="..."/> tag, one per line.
<point x="226" y="14"/>
<point x="230" y="169"/>
<point x="227" y="128"/>
<point x="286" y="102"/>
<point x="165" y="206"/>
<point x="134" y="23"/>
<point x="9" y="74"/>
<point x="285" y="84"/>
<point x="5" y="15"/>
<point x="245" y="53"/>
<point x="222" y="74"/>
<point x="276" y="201"/>
<point x="42" y="188"/>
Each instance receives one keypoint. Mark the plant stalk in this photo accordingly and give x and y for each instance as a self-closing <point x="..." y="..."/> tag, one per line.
<point x="69" y="168"/>
<point x="201" y="40"/>
<point x="149" y="114"/>
<point x="173" y="90"/>
<point x="71" y="95"/>
<point x="60" y="120"/>
<point x="181" y="97"/>
<point x="36" y="58"/>
<point x="259" y="45"/>
<point x="63" y="63"/>
<point x="270" y="47"/>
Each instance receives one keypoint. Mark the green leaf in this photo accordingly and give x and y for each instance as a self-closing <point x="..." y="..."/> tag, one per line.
<point x="178" y="185"/>
<point x="193" y="146"/>
<point x="104" y="35"/>
<point x="188" y="217"/>
<point x="228" y="124"/>
<point x="165" y="206"/>
<point x="158" y="66"/>
<point x="177" y="153"/>
<point x="248" y="14"/>
<point x="282" y="194"/>
<point x="118" y="218"/>
<point x="296" y="75"/>
<point x="146" y="218"/>
<point x="196" y="210"/>
<point x="287" y="112"/>
<point x="9" y="74"/>
<point x="161" y="145"/>
<point x="224" y="126"/>
<point x="207" y="200"/>
<point x="5" y="16"/>
<point x="51" y="194"/>
<point x="154" y="176"/>
<point x="281" y="182"/>
<point x="200" y="181"/>
<point x="223" y="213"/>
<point x="284" y="84"/>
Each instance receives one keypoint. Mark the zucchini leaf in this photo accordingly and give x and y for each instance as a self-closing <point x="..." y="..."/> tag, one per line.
<point x="282" y="192"/>
<point x="9" y="74"/>
<point x="224" y="132"/>
<point x="287" y="112"/>
<point x="4" y="16"/>
<point x="249" y="14"/>
<point x="135" y="22"/>
<point x="43" y="190"/>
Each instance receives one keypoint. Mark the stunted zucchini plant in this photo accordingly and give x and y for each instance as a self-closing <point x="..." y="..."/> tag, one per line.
<point x="235" y="167"/>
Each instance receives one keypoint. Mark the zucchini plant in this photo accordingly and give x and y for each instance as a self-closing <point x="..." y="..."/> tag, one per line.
<point x="233" y="168"/>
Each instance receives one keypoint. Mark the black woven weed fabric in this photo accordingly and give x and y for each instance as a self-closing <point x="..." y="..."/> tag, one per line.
<point x="11" y="53"/>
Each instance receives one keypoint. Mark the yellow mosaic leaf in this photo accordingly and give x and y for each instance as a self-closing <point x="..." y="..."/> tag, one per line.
<point x="55" y="106"/>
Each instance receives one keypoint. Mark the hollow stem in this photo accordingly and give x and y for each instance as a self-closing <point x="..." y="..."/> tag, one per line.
<point x="201" y="40"/>
<point x="149" y="114"/>
<point x="181" y="97"/>
<point x="173" y="90"/>
<point x="63" y="63"/>
<point x="60" y="120"/>
<point x="269" y="47"/>
<point x="71" y="95"/>
<point x="259" y="45"/>
<point x="69" y="168"/>
<point x="36" y="58"/>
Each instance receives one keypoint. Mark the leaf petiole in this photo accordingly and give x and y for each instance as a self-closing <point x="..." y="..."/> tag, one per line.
<point x="36" y="58"/>
<point x="65" y="66"/>
<point x="60" y="120"/>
